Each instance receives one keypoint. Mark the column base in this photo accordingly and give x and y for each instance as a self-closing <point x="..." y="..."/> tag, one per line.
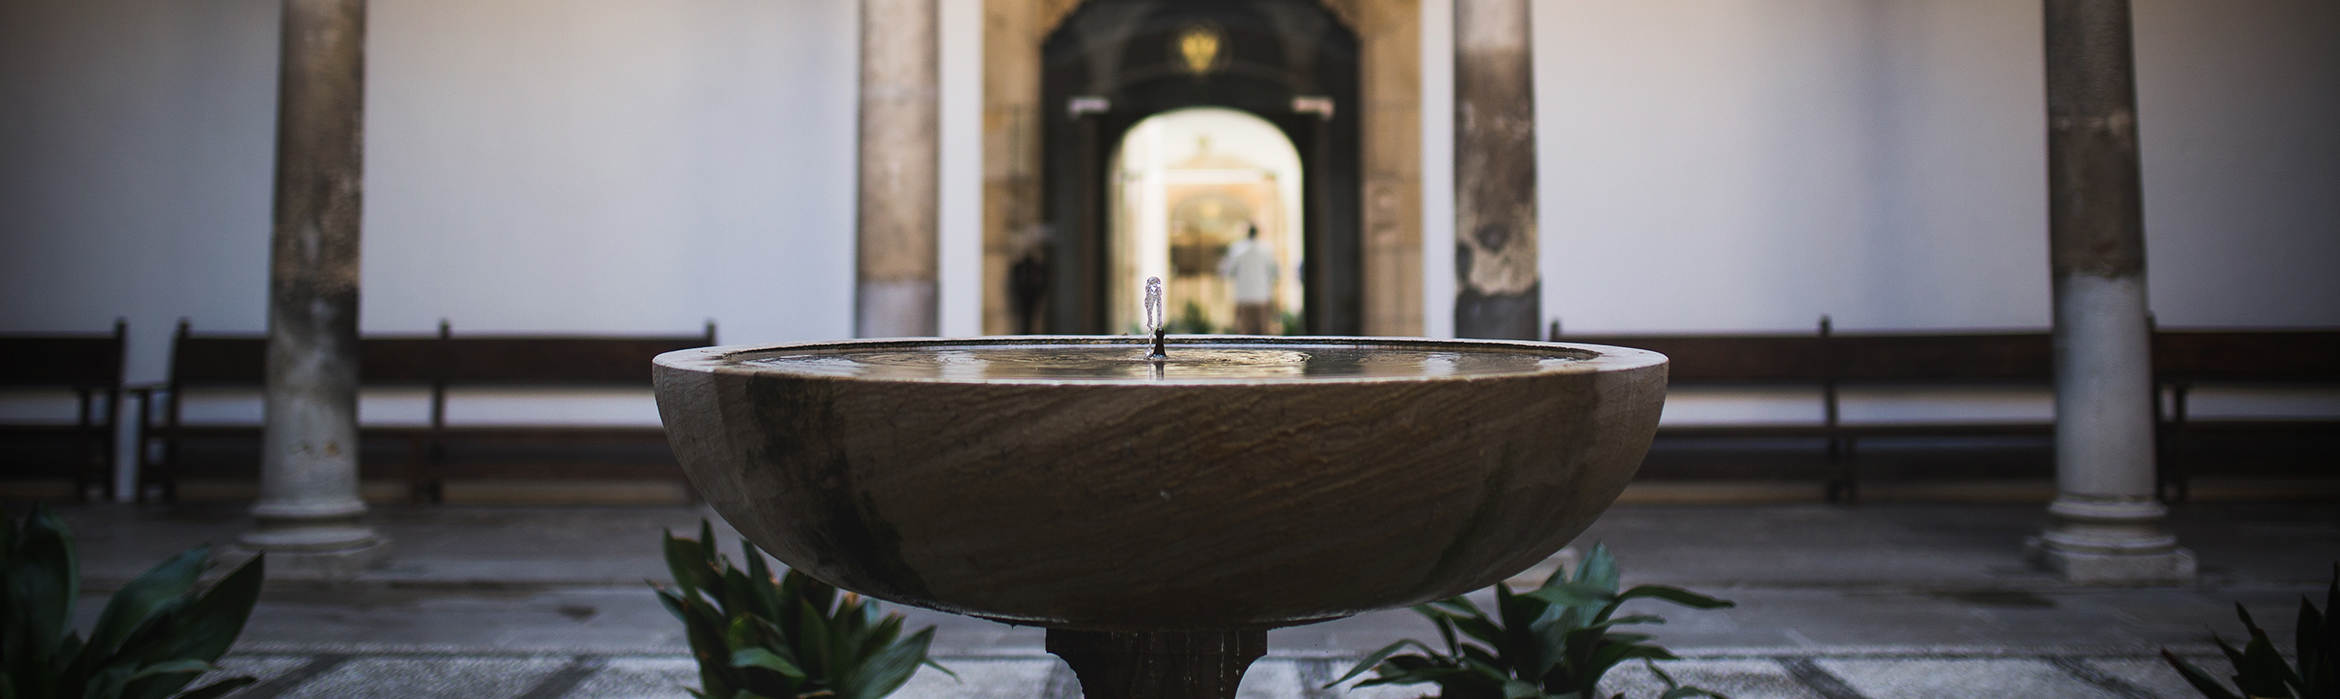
<point x="311" y="564"/>
<point x="2173" y="566"/>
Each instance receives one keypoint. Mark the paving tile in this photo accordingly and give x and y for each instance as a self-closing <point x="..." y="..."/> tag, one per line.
<point x="1271" y="679"/>
<point x="1738" y="679"/>
<point x="1960" y="678"/>
<point x="655" y="677"/>
<point x="1020" y="678"/>
<point x="421" y="677"/>
<point x="2156" y="676"/>
<point x="259" y="667"/>
<point x="1349" y="690"/>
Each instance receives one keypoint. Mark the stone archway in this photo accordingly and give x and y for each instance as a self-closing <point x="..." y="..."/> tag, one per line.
<point x="1384" y="200"/>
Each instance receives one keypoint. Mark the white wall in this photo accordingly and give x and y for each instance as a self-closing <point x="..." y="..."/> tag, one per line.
<point x="1738" y="165"/>
<point x="532" y="165"/>
<point x="643" y="165"/>
<point x="2239" y="113"/>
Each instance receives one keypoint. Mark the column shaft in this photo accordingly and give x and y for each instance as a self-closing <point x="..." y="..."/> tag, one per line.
<point x="901" y="142"/>
<point x="309" y="507"/>
<point x="2108" y="526"/>
<point x="1497" y="291"/>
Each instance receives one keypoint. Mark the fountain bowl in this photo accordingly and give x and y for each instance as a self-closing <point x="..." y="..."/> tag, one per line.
<point x="1132" y="502"/>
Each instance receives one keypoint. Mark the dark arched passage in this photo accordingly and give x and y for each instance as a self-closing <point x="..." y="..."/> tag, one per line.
<point x="1113" y="63"/>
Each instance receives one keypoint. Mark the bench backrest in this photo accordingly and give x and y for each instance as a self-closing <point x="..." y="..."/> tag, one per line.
<point x="63" y="361"/>
<point x="562" y="361"/>
<point x="1729" y="359"/>
<point x="2270" y="356"/>
<point x="1943" y="358"/>
<point x="2288" y="356"/>
<point x="241" y="360"/>
<point x="1828" y="358"/>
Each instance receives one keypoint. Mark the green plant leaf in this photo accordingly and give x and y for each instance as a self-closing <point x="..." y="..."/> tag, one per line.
<point x="686" y="561"/>
<point x="765" y="603"/>
<point x="204" y="632"/>
<point x="174" y="667"/>
<point x="2202" y="681"/>
<point x="136" y="602"/>
<point x="813" y="651"/>
<point x="1675" y="595"/>
<point x="2262" y="672"/>
<point x="1599" y="569"/>
<point x="767" y="660"/>
<point x="1445" y="627"/>
<point x="44" y="583"/>
<point x="889" y="669"/>
<point x="2307" y="651"/>
<point x="1574" y="595"/>
<point x="1374" y="659"/>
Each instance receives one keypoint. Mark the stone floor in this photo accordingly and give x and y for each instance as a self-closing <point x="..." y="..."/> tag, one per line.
<point x="1874" y="601"/>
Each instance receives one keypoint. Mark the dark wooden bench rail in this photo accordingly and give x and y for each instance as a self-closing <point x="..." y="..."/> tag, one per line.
<point x="537" y="362"/>
<point x="437" y="363"/>
<point x="2184" y="360"/>
<point x="1829" y="361"/>
<point x="239" y="362"/>
<point x="88" y="366"/>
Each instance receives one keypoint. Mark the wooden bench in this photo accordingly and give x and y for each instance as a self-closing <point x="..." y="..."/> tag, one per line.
<point x="90" y="368"/>
<point x="528" y="362"/>
<point x="1830" y="362"/>
<point x="440" y="364"/>
<point x="2187" y="360"/>
<point x="238" y="363"/>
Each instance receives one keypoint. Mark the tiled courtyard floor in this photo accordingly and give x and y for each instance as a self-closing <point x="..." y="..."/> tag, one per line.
<point x="1882" y="674"/>
<point x="1878" y="601"/>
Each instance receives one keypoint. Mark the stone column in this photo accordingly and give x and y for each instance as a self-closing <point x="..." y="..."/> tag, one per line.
<point x="2108" y="526"/>
<point x="1496" y="286"/>
<point x="901" y="140"/>
<point x="309" y="514"/>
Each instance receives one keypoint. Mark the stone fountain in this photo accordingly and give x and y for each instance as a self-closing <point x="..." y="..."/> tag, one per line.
<point x="1159" y="512"/>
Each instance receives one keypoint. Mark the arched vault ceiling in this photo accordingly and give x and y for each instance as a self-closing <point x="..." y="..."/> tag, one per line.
<point x="1053" y="12"/>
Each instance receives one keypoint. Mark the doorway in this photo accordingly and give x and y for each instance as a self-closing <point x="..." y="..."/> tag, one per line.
<point x="1209" y="200"/>
<point x="1112" y="66"/>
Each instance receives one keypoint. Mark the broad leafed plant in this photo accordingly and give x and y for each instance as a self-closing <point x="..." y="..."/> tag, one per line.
<point x="156" y="635"/>
<point x="756" y="636"/>
<point x="2259" y="670"/>
<point x="1555" y="642"/>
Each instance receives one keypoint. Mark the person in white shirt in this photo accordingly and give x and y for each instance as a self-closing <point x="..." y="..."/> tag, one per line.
<point x="1251" y="266"/>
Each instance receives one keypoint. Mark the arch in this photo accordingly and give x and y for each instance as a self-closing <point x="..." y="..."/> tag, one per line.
<point x="1112" y="63"/>
<point x="1185" y="185"/>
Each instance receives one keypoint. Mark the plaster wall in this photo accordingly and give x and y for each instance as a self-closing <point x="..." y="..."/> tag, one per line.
<point x="642" y="166"/>
<point x="1749" y="165"/>
<point x="608" y="166"/>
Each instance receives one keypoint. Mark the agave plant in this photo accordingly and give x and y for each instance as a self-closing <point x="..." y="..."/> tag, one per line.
<point x="795" y="637"/>
<point x="155" y="636"/>
<point x="2259" y="671"/>
<point x="1555" y="642"/>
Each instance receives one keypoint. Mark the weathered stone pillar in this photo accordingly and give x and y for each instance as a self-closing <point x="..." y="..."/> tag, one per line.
<point x="901" y="141"/>
<point x="309" y="515"/>
<point x="1496" y="286"/>
<point x="2108" y="526"/>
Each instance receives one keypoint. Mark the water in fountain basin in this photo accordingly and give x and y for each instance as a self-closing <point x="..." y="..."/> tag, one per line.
<point x="1117" y="362"/>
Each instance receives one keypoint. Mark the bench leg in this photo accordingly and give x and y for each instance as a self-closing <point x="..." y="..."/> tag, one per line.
<point x="1844" y="487"/>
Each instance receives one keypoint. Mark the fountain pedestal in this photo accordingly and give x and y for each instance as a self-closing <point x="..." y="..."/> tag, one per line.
<point x="1159" y="664"/>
